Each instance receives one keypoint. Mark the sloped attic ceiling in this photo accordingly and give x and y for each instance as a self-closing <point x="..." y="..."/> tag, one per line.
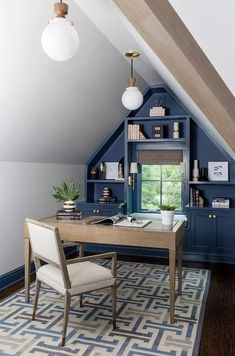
<point x="56" y="112"/>
<point x="221" y="13"/>
<point x="182" y="64"/>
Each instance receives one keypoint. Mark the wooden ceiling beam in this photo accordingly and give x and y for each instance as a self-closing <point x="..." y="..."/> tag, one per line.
<point x="165" y="33"/>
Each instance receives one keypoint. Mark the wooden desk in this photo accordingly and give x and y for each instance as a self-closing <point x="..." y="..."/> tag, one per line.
<point x="154" y="235"/>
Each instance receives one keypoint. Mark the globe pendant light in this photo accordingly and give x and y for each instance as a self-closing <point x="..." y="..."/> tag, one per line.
<point x="59" y="39"/>
<point x="132" y="98"/>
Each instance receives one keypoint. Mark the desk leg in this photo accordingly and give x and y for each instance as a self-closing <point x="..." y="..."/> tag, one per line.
<point x="172" y="256"/>
<point x="81" y="250"/>
<point x="179" y="262"/>
<point x="27" y="268"/>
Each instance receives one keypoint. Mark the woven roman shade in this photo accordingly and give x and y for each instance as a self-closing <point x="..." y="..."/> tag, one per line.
<point x="160" y="157"/>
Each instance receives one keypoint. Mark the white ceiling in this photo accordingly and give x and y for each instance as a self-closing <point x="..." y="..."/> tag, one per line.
<point x="61" y="112"/>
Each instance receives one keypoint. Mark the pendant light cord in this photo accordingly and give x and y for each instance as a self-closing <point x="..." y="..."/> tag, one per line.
<point x="131" y="67"/>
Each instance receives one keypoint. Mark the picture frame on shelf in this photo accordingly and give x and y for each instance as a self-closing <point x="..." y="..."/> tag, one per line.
<point x="218" y="171"/>
<point x="112" y="170"/>
<point x="157" y="131"/>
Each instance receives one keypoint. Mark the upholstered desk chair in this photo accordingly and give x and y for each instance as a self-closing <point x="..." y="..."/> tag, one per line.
<point x="71" y="277"/>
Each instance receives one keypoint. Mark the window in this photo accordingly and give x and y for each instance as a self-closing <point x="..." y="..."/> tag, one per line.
<point x="160" y="179"/>
<point x="161" y="184"/>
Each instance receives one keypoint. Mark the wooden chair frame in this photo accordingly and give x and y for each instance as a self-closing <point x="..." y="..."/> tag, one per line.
<point x="62" y="265"/>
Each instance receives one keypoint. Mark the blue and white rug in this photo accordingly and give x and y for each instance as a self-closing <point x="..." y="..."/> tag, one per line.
<point x="142" y="317"/>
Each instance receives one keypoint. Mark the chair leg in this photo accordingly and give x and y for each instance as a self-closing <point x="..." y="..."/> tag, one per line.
<point x="37" y="290"/>
<point x="81" y="301"/>
<point x="67" y="301"/>
<point x="113" y="288"/>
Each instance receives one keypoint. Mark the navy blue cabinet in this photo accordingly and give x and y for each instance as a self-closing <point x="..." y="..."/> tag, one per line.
<point x="212" y="234"/>
<point x="98" y="209"/>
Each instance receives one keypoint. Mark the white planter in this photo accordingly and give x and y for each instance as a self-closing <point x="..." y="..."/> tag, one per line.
<point x="167" y="217"/>
<point x="69" y="206"/>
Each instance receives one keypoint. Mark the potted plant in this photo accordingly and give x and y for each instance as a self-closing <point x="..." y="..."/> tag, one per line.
<point x="67" y="192"/>
<point x="167" y="213"/>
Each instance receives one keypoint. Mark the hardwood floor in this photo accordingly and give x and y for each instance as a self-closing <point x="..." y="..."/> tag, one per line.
<point x="218" y="334"/>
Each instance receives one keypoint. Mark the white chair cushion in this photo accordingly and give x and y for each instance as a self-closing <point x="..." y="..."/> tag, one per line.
<point x="84" y="276"/>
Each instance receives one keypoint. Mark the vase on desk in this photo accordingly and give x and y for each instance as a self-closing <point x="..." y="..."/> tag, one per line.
<point x="167" y="217"/>
<point x="69" y="206"/>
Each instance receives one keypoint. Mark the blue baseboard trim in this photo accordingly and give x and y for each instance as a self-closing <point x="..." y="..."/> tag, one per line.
<point x="17" y="275"/>
<point x="160" y="253"/>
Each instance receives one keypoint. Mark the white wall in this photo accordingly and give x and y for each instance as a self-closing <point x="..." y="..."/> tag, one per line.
<point x="26" y="190"/>
<point x="49" y="110"/>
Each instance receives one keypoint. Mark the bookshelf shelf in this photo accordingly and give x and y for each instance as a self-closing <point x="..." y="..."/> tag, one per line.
<point x="210" y="183"/>
<point x="156" y="118"/>
<point x="108" y="181"/>
<point x="158" y="140"/>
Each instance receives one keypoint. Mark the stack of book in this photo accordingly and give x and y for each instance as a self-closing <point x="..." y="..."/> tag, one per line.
<point x="64" y="215"/>
<point x="107" y="200"/>
<point x="196" y="200"/>
<point x="157" y="111"/>
<point x="221" y="203"/>
<point x="135" y="133"/>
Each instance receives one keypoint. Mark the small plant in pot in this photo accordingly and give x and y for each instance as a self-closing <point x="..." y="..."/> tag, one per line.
<point x="67" y="192"/>
<point x="167" y="213"/>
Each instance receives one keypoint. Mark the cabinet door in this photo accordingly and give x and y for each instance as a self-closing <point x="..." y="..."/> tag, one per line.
<point x="201" y="231"/>
<point x="224" y="232"/>
<point x="98" y="209"/>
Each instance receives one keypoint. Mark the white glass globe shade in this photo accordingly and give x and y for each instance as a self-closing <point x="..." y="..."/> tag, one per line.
<point x="132" y="98"/>
<point x="60" y="40"/>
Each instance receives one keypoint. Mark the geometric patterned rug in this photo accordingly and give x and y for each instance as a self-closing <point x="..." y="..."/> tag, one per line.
<point x="143" y="326"/>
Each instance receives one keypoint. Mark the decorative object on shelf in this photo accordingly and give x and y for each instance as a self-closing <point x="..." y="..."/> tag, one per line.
<point x="94" y="173"/>
<point x="167" y="214"/>
<point x="221" y="203"/>
<point x="133" y="171"/>
<point x="107" y="196"/>
<point x="132" y="98"/>
<point x="157" y="110"/>
<point x="67" y="192"/>
<point x="218" y="171"/>
<point x="120" y="171"/>
<point x="59" y="39"/>
<point x="176" y="133"/>
<point x="157" y="131"/>
<point x="203" y="174"/>
<point x="195" y="170"/>
<point x="111" y="170"/>
<point x="102" y="171"/>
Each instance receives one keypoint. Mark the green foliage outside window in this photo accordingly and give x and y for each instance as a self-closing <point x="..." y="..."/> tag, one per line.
<point x="161" y="184"/>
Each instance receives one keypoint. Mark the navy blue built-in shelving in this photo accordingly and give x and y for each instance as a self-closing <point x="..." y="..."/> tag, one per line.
<point x="210" y="232"/>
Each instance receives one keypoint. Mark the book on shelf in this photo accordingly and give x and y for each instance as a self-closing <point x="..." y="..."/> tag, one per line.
<point x="121" y="220"/>
<point x="196" y="200"/>
<point x="135" y="132"/>
<point x="157" y="111"/>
